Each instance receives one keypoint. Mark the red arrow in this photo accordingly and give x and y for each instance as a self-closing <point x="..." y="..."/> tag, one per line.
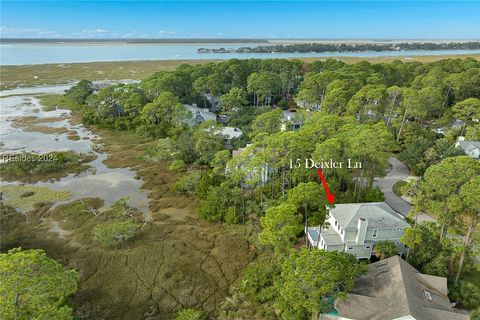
<point x="330" y="196"/>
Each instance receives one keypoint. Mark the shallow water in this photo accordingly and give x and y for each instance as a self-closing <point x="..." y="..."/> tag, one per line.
<point x="28" y="53"/>
<point x="35" y="90"/>
<point x="110" y="184"/>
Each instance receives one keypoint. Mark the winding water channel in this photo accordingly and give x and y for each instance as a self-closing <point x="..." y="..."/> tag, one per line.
<point x="110" y="184"/>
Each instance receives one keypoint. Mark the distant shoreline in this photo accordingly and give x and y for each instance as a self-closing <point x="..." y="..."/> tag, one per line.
<point x="128" y="41"/>
<point x="223" y="40"/>
<point x="314" y="48"/>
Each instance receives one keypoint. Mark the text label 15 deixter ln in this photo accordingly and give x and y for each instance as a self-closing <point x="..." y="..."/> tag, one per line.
<point x="324" y="164"/>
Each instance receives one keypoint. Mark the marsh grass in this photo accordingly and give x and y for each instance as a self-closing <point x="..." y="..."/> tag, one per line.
<point x="48" y="166"/>
<point x="51" y="102"/>
<point x="176" y="261"/>
<point x="50" y="74"/>
<point x="34" y="124"/>
<point x="12" y="195"/>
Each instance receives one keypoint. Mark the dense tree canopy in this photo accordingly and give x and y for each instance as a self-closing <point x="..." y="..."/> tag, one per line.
<point x="310" y="280"/>
<point x="34" y="286"/>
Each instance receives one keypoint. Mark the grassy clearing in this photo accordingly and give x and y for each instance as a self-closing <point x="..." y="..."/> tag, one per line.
<point x="52" y="101"/>
<point x="24" y="197"/>
<point x="49" y="74"/>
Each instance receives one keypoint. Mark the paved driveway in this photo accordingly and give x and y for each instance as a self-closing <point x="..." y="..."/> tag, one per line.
<point x="398" y="171"/>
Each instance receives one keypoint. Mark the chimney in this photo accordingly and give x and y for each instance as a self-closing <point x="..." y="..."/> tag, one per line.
<point x="362" y="230"/>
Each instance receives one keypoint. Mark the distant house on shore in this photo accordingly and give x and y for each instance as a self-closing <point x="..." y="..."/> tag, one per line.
<point x="356" y="227"/>
<point x="394" y="290"/>
<point x="471" y="148"/>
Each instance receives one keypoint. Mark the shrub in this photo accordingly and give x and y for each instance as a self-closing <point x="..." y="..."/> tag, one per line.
<point x="258" y="281"/>
<point x="151" y="131"/>
<point x="80" y="92"/>
<point x="188" y="182"/>
<point x="475" y="315"/>
<point x="114" y="233"/>
<point x="467" y="294"/>
<point x="373" y="195"/>
<point x="177" y="166"/>
<point x="439" y="266"/>
<point x="231" y="217"/>
<point x="190" y="314"/>
<point x="398" y="187"/>
<point x="385" y="249"/>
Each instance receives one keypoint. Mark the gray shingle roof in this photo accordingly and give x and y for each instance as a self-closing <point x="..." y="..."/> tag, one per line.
<point x="469" y="145"/>
<point x="393" y="289"/>
<point x="378" y="214"/>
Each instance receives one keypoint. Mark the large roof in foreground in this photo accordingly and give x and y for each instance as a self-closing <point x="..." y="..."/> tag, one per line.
<point x="378" y="214"/>
<point x="393" y="289"/>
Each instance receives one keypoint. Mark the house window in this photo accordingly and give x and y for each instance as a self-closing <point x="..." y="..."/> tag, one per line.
<point x="350" y="248"/>
<point x="367" y="247"/>
<point x="335" y="223"/>
<point x="374" y="233"/>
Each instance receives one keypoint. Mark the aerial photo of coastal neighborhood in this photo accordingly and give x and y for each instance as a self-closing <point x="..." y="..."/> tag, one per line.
<point x="239" y="160"/>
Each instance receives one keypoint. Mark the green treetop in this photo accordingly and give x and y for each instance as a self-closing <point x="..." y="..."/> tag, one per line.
<point x="311" y="280"/>
<point x="34" y="287"/>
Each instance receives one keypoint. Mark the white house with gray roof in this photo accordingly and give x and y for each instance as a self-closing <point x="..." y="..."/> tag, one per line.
<point x="356" y="227"/>
<point x="394" y="290"/>
<point x="471" y="148"/>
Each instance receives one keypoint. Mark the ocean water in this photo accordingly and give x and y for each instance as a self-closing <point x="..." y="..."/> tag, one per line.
<point x="28" y="53"/>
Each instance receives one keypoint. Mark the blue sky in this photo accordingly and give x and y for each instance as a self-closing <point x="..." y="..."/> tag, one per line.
<point x="249" y="19"/>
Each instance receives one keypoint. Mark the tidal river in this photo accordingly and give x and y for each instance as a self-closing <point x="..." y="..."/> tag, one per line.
<point x="110" y="184"/>
<point x="40" y="53"/>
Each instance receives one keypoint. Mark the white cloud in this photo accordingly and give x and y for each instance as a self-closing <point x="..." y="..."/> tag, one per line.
<point x="165" y="33"/>
<point x="91" y="33"/>
<point x="25" y="32"/>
